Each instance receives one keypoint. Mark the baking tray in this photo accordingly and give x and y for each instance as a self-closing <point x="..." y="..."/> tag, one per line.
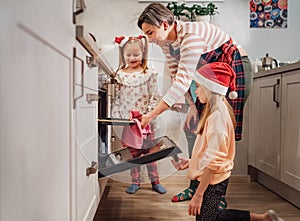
<point x="116" y="121"/>
<point x="122" y="160"/>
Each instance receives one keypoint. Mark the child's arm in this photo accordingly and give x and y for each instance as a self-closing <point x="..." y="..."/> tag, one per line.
<point x="196" y="202"/>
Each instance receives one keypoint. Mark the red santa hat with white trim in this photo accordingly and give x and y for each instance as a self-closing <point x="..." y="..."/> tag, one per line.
<point x="218" y="77"/>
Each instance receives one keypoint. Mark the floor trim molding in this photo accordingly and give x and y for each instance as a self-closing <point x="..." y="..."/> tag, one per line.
<point x="278" y="187"/>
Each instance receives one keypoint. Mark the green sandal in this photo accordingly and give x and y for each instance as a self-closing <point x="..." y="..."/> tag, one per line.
<point x="187" y="194"/>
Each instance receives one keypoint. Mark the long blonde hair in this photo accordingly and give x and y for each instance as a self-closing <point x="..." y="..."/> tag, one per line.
<point x="142" y="40"/>
<point x="210" y="107"/>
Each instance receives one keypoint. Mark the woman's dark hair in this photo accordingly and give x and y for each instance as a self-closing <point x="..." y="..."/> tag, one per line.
<point x="155" y="14"/>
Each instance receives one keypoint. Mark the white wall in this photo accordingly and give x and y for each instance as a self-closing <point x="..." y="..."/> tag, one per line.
<point x="282" y="44"/>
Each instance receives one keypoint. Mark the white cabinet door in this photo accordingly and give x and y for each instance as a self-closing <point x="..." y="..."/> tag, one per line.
<point x="35" y="97"/>
<point x="85" y="123"/>
<point x="266" y="118"/>
<point x="290" y="152"/>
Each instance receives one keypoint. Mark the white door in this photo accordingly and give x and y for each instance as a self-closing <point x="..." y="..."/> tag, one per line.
<point x="35" y="95"/>
<point x="290" y="152"/>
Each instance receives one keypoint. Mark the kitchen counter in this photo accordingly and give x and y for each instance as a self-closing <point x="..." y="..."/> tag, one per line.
<point x="284" y="68"/>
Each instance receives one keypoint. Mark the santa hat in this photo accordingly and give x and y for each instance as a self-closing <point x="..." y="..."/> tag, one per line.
<point x="218" y="77"/>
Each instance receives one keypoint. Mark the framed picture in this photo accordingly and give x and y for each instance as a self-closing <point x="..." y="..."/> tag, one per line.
<point x="268" y="13"/>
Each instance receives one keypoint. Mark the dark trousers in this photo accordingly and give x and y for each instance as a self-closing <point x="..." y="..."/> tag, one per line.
<point x="210" y="204"/>
<point x="191" y="137"/>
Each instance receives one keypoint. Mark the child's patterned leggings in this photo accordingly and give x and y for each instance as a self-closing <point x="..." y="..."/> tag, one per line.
<point x="210" y="204"/>
<point x="151" y="167"/>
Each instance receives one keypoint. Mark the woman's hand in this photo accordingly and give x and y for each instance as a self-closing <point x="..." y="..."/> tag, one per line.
<point x="145" y="120"/>
<point x="181" y="165"/>
<point x="195" y="205"/>
<point x="192" y="115"/>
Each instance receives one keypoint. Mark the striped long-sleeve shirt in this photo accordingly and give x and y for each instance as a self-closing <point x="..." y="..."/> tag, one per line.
<point x="193" y="40"/>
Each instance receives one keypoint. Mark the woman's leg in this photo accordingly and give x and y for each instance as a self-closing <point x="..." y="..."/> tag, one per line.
<point x="248" y="75"/>
<point x="188" y="193"/>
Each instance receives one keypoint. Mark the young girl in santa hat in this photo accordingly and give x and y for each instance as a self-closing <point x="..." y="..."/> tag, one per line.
<point x="214" y="149"/>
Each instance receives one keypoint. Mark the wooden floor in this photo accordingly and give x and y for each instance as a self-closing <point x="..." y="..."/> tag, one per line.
<point x="149" y="205"/>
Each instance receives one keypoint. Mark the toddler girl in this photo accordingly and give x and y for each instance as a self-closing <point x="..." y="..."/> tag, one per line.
<point x="136" y="90"/>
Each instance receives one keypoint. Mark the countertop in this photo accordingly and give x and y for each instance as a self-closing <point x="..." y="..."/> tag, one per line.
<point x="282" y="69"/>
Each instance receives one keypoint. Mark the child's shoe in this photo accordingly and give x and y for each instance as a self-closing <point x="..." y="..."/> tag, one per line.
<point x="274" y="216"/>
<point x="159" y="188"/>
<point x="132" y="189"/>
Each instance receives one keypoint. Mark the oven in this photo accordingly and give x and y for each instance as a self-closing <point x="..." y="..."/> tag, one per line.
<point x="112" y="158"/>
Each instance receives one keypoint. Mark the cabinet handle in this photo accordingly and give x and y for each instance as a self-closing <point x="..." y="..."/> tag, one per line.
<point x="92" y="169"/>
<point x="74" y="76"/>
<point x="91" y="97"/>
<point x="275" y="92"/>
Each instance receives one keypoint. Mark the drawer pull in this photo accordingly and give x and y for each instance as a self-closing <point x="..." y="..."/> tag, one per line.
<point x="92" y="169"/>
<point x="91" y="97"/>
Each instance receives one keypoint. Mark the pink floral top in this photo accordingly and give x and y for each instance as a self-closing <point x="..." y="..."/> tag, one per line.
<point x="135" y="91"/>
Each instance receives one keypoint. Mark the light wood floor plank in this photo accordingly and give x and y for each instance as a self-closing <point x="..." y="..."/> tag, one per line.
<point x="146" y="204"/>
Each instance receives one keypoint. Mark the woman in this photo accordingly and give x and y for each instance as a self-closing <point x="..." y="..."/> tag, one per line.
<point x="188" y="46"/>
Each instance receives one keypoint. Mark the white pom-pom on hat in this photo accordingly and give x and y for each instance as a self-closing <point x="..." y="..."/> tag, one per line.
<point x="233" y="95"/>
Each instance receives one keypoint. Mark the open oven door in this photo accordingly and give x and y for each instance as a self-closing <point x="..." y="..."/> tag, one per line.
<point x="122" y="160"/>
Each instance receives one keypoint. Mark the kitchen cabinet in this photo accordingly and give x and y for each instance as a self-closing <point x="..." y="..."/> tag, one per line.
<point x="46" y="142"/>
<point x="274" y="129"/>
<point x="265" y="124"/>
<point x="290" y="129"/>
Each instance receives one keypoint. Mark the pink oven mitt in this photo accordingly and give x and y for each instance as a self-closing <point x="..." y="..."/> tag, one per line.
<point x="134" y="135"/>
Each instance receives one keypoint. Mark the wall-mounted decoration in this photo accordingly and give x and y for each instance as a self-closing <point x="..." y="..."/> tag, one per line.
<point x="268" y="13"/>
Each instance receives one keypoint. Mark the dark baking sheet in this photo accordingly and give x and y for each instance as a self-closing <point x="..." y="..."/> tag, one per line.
<point x="115" y="121"/>
<point x="121" y="160"/>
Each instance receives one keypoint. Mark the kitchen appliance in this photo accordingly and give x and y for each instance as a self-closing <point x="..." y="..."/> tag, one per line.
<point x="110" y="161"/>
<point x="269" y="62"/>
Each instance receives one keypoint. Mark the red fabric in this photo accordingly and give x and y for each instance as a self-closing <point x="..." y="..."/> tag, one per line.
<point x="220" y="73"/>
<point x="134" y="135"/>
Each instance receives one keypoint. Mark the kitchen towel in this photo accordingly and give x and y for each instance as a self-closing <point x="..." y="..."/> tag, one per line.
<point x="134" y="135"/>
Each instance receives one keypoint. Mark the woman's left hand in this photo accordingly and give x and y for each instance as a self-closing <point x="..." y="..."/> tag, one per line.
<point x="195" y="205"/>
<point x="145" y="120"/>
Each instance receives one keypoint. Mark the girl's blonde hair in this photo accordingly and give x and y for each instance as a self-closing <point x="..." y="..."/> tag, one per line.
<point x="142" y="40"/>
<point x="210" y="107"/>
